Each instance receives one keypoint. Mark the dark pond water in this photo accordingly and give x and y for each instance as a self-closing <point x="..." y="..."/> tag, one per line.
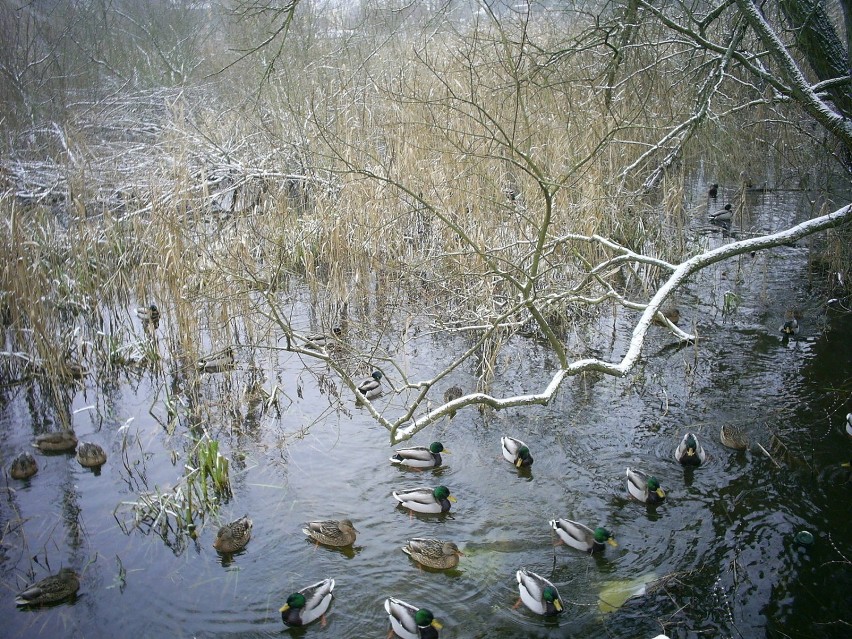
<point x="724" y="534"/>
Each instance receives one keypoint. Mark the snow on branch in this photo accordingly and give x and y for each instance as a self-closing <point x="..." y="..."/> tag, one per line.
<point x="401" y="430"/>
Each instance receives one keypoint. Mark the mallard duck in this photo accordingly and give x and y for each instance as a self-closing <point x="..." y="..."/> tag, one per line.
<point x="433" y="553"/>
<point x="150" y="316"/>
<point x="23" y="466"/>
<point x="791" y="323"/>
<point x="713" y="191"/>
<point x="217" y="362"/>
<point x="425" y="500"/>
<point x="411" y="622"/>
<point x="451" y="394"/>
<point x="372" y="386"/>
<point x="420" y="456"/>
<point x="234" y="536"/>
<point x="319" y="341"/>
<point x="331" y="532"/>
<point x="516" y="452"/>
<point x="643" y="487"/>
<point x="54" y="442"/>
<point x="689" y="452"/>
<point x="849" y="424"/>
<point x="582" y="537"/>
<point x="91" y="455"/>
<point x="671" y="314"/>
<point x="538" y="594"/>
<point x="733" y="437"/>
<point x="307" y="605"/>
<point x="724" y="215"/>
<point x="50" y="590"/>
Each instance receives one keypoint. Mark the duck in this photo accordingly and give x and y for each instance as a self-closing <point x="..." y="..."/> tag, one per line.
<point x="539" y="594"/>
<point x="234" y="536"/>
<point x="217" y="362"/>
<point x="791" y="322"/>
<point x="23" y="466"/>
<point x="644" y="488"/>
<point x="671" y="314"/>
<point x="451" y="394"/>
<point x="582" y="537"/>
<point x="724" y="215"/>
<point x="372" y="386"/>
<point x="50" y="590"/>
<point x="331" y="532"/>
<point x="733" y="437"/>
<point x="319" y="341"/>
<point x="433" y="553"/>
<point x="420" y="456"/>
<point x="849" y="424"/>
<point x="425" y="500"/>
<point x="62" y="440"/>
<point x="308" y="604"/>
<point x="150" y="316"/>
<point x="411" y="622"/>
<point x="91" y="455"/>
<point x="516" y="452"/>
<point x="689" y="452"/>
<point x="713" y="191"/>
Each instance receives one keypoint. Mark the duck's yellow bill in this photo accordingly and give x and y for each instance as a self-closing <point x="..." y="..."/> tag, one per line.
<point x="660" y="492"/>
<point x="436" y="625"/>
<point x="452" y="499"/>
<point x="284" y="608"/>
<point x="557" y="604"/>
<point x="612" y="542"/>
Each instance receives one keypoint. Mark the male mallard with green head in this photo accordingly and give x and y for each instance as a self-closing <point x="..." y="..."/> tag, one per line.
<point x="582" y="537"/>
<point x="791" y="323"/>
<point x="372" y="386"/>
<point x="331" y="532"/>
<point x="645" y="488"/>
<point x="23" y="466"/>
<point x="538" y="594"/>
<point x="59" y="441"/>
<point x="319" y="341"/>
<point x="233" y="536"/>
<point x="91" y="455"/>
<point x="433" y="553"/>
<point x="217" y="362"/>
<point x="308" y="604"/>
<point x="425" y="500"/>
<point x="150" y="316"/>
<point x="420" y="456"/>
<point x="411" y="622"/>
<point x="689" y="452"/>
<point x="516" y="452"/>
<point x="50" y="590"/>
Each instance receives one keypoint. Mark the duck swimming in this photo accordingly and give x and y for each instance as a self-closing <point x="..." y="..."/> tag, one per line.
<point x="50" y="590"/>
<point x="372" y="386"/>
<point x="331" y="532"/>
<point x="23" y="466"/>
<point x="724" y="215"/>
<point x="516" y="452"/>
<point x="233" y="536"/>
<point x="689" y="452"/>
<point x="733" y="437"/>
<point x="425" y="500"/>
<point x="582" y="537"/>
<point x="538" y="594"/>
<point x="62" y="440"/>
<point x="420" y="456"/>
<point x="308" y="604"/>
<point x="91" y="455"/>
<point x="644" y="488"/>
<point x="433" y="553"/>
<point x="411" y="622"/>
